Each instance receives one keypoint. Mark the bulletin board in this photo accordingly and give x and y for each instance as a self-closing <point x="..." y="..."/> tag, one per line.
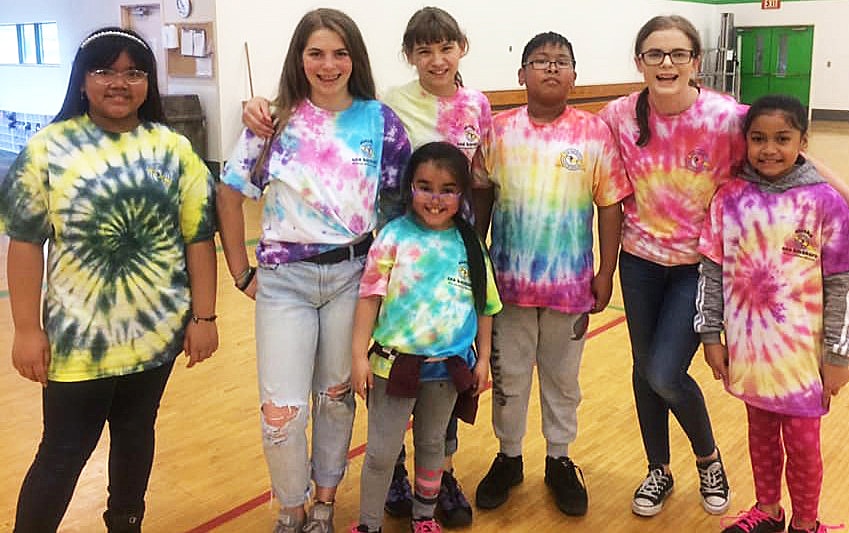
<point x="190" y="61"/>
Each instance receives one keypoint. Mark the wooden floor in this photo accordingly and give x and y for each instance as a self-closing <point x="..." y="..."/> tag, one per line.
<point x="210" y="473"/>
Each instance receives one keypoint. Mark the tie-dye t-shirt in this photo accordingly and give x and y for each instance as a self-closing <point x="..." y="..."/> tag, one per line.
<point x="325" y="174"/>
<point x="774" y="250"/>
<point x="676" y="174"/>
<point x="548" y="176"/>
<point x="428" y="307"/>
<point x="118" y="210"/>
<point x="464" y="119"/>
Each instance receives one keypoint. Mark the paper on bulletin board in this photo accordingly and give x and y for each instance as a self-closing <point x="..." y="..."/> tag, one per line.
<point x="170" y="37"/>
<point x="199" y="43"/>
<point x="186" y="42"/>
<point x="203" y="67"/>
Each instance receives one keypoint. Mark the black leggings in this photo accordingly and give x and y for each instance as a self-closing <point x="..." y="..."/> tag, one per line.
<point x="74" y="414"/>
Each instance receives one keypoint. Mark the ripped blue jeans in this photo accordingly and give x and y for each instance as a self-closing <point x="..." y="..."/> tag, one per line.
<point x="304" y="318"/>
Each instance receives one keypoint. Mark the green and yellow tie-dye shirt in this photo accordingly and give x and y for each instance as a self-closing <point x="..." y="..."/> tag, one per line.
<point x="118" y="211"/>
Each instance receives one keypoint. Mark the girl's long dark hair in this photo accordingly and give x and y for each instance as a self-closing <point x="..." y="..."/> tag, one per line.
<point x="448" y="157"/>
<point x="668" y="22"/>
<point x="100" y="50"/>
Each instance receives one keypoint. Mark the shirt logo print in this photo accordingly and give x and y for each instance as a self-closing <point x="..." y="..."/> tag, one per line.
<point x="572" y="159"/>
<point x="367" y="154"/>
<point x="159" y="175"/>
<point x="697" y="160"/>
<point x="801" y="244"/>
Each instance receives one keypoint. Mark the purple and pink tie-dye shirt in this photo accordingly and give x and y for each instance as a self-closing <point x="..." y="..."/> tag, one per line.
<point x="774" y="250"/>
<point x="548" y="176"/>
<point x="676" y="174"/>
<point x="325" y="174"/>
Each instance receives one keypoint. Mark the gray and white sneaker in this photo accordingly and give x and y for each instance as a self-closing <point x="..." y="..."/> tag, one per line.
<point x="713" y="485"/>
<point x="288" y="524"/>
<point x="649" y="496"/>
<point x="319" y="519"/>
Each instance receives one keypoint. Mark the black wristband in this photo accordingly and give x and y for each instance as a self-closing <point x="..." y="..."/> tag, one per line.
<point x="197" y="319"/>
<point x="247" y="279"/>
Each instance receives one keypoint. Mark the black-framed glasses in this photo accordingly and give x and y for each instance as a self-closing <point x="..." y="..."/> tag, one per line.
<point x="107" y="76"/>
<point x="545" y="64"/>
<point x="655" y="57"/>
<point x="442" y="197"/>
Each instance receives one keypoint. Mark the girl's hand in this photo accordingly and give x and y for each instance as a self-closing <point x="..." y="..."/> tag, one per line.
<point x="362" y="378"/>
<point x="481" y="373"/>
<point x="200" y="342"/>
<point x="833" y="379"/>
<point x="250" y="290"/>
<point x="257" y="117"/>
<point x="602" y="289"/>
<point x="31" y="355"/>
<point x="716" y="356"/>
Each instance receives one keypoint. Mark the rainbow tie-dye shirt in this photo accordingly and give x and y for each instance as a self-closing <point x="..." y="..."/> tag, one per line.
<point x="325" y="174"/>
<point x="774" y="249"/>
<point x="118" y="210"/>
<point x="548" y="176"/>
<point x="428" y="307"/>
<point x="464" y="119"/>
<point x="676" y="174"/>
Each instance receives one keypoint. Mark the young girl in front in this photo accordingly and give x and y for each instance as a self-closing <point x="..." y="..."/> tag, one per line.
<point x="126" y="208"/>
<point x="775" y="277"/>
<point x="337" y="156"/>
<point x="434" y="107"/>
<point x="427" y="294"/>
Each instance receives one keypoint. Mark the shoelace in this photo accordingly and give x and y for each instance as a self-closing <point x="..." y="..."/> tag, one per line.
<point x="746" y="520"/>
<point x="824" y="528"/>
<point x="426" y="526"/>
<point x="654" y="483"/>
<point x="712" y="478"/>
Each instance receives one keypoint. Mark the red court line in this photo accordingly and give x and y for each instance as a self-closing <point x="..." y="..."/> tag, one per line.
<point x="264" y="498"/>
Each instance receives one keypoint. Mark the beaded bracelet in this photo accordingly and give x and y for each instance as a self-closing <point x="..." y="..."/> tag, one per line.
<point x="210" y="318"/>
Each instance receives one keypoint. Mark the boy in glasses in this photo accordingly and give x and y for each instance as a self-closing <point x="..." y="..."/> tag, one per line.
<point x="548" y="164"/>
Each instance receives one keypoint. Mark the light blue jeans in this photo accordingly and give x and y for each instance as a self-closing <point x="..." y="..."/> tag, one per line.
<point x="304" y="318"/>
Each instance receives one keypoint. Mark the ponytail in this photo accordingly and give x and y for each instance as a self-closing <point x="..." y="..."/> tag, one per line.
<point x="475" y="257"/>
<point x="643" y="111"/>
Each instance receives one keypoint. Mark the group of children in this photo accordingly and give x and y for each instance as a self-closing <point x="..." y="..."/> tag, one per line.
<point x="373" y="252"/>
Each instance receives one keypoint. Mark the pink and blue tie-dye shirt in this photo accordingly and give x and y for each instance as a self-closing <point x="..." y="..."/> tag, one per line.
<point x="428" y="307"/>
<point x="675" y="175"/>
<point x="774" y="250"/>
<point x="464" y="119"/>
<point x="548" y="176"/>
<point x="325" y="175"/>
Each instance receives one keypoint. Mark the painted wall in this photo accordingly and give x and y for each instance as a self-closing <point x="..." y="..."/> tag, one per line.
<point x="603" y="44"/>
<point x="830" y="68"/>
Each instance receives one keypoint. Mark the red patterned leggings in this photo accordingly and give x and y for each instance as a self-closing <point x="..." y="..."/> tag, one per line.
<point x="770" y="436"/>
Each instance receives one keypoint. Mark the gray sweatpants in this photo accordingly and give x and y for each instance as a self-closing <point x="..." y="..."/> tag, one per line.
<point x="521" y="337"/>
<point x="387" y="423"/>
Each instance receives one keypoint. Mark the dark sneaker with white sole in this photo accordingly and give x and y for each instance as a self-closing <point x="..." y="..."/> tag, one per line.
<point x="649" y="496"/>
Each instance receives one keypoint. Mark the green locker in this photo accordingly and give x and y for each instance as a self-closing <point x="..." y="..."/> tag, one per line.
<point x="775" y="60"/>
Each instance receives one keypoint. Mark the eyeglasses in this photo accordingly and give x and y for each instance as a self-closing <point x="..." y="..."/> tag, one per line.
<point x="433" y="196"/>
<point x="545" y="64"/>
<point x="655" y="57"/>
<point x="107" y="76"/>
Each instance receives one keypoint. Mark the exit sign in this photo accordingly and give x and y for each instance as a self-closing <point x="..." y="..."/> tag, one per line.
<point x="770" y="4"/>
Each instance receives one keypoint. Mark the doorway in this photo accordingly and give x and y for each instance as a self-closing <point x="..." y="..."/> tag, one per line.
<point x="775" y="59"/>
<point x="146" y="20"/>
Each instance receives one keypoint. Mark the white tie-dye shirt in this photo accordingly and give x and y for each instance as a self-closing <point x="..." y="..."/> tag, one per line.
<point x="675" y="175"/>
<point x="325" y="174"/>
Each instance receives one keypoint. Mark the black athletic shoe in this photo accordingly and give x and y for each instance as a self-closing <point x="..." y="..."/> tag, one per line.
<point x="566" y="480"/>
<point x="505" y="472"/>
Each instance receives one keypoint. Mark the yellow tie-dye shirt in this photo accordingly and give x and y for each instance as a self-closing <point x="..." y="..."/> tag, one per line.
<point x="118" y="210"/>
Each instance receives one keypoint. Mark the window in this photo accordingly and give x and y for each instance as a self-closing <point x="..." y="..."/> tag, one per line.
<point x="35" y="43"/>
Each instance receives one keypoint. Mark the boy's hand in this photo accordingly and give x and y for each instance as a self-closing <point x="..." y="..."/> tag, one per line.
<point x="257" y="117"/>
<point x="362" y="378"/>
<point x="716" y="356"/>
<point x="481" y="373"/>
<point x="31" y="355"/>
<point x="834" y="377"/>
<point x="602" y="288"/>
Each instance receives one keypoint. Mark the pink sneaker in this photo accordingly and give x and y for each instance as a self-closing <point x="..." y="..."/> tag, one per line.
<point x="819" y="528"/>
<point x="752" y="521"/>
<point x="427" y="525"/>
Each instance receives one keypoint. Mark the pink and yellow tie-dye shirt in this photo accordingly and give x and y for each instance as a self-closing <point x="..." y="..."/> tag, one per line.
<point x="548" y="176"/>
<point x="464" y="119"/>
<point x="774" y="250"/>
<point x="676" y="174"/>
<point x="325" y="174"/>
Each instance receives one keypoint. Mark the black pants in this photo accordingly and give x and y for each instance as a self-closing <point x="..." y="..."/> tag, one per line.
<point x="74" y="414"/>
